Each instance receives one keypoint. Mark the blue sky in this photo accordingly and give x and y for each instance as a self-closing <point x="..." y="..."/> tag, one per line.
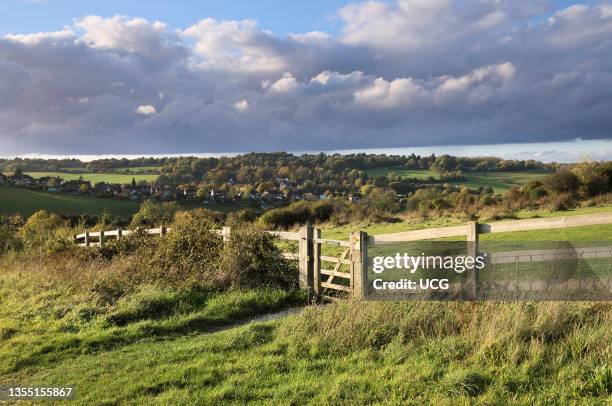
<point x="280" y="16"/>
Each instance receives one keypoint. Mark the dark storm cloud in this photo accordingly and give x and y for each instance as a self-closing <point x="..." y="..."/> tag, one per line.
<point x="408" y="72"/>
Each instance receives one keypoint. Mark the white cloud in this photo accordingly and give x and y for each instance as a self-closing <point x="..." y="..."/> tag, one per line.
<point x="242" y="105"/>
<point x="384" y="94"/>
<point x="134" y="35"/>
<point x="285" y="84"/>
<point x="146" y="110"/>
<point x="56" y="37"/>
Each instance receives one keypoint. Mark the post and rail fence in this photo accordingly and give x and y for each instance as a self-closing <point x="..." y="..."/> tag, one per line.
<point x="345" y="275"/>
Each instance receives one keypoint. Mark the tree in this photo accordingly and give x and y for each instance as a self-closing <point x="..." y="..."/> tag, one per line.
<point x="84" y="188"/>
<point x="562" y="182"/>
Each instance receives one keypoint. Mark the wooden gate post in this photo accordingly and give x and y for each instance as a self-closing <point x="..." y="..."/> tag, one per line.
<point x="101" y="238"/>
<point x="87" y="242"/>
<point x="359" y="263"/>
<point x="225" y="233"/>
<point x="472" y="251"/>
<point x="306" y="257"/>
<point x="316" y="254"/>
<point x="119" y="234"/>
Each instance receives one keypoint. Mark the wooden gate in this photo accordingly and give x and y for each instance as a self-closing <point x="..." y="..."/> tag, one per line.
<point x="333" y="269"/>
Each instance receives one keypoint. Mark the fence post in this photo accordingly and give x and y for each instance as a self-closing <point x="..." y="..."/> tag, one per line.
<point x="359" y="263"/>
<point x="305" y="253"/>
<point x="472" y="251"/>
<point x="101" y="238"/>
<point x="316" y="254"/>
<point x="164" y="231"/>
<point x="225" y="233"/>
<point x="119" y="233"/>
<point x="87" y="239"/>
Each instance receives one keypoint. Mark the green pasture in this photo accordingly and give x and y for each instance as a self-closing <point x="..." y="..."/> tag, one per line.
<point x="97" y="177"/>
<point x="25" y="202"/>
<point x="499" y="181"/>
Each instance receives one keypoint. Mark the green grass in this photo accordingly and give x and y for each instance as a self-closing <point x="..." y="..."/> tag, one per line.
<point x="97" y="177"/>
<point x="404" y="173"/>
<point x="25" y="202"/>
<point x="499" y="181"/>
<point x="158" y="346"/>
<point x="357" y="353"/>
<point x="140" y="169"/>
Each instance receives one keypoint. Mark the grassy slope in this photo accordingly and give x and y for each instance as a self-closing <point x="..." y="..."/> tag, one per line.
<point x="359" y="353"/>
<point x="17" y="200"/>
<point x="499" y="181"/>
<point x="404" y="173"/>
<point x="97" y="177"/>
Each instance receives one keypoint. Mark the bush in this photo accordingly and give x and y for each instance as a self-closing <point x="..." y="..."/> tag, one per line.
<point x="251" y="258"/>
<point x="9" y="237"/>
<point x="299" y="213"/>
<point x="562" y="182"/>
<point x="190" y="254"/>
<point x="155" y="214"/>
<point x="47" y="233"/>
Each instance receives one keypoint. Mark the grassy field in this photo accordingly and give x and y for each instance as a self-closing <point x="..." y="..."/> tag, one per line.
<point x="53" y="333"/>
<point x="499" y="181"/>
<point x="140" y="169"/>
<point x="97" y="177"/>
<point x="404" y="173"/>
<point x="343" y="353"/>
<point x="25" y="202"/>
<point x="15" y="200"/>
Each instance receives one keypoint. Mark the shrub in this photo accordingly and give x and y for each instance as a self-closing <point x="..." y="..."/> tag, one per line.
<point x="562" y="182"/>
<point x="190" y="253"/>
<point x="251" y="258"/>
<point x="46" y="232"/>
<point x="534" y="190"/>
<point x="241" y="216"/>
<point x="153" y="214"/>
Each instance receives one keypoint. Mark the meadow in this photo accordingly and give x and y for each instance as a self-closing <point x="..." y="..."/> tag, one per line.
<point x="123" y="178"/>
<point x="499" y="181"/>
<point x="15" y="200"/>
<point x="194" y="348"/>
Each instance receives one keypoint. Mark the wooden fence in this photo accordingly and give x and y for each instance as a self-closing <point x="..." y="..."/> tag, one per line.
<point x="344" y="275"/>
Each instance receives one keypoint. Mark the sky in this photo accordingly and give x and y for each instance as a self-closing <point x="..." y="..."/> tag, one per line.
<point x="155" y="77"/>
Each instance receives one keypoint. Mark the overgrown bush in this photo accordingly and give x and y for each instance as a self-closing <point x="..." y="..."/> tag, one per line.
<point x="46" y="233"/>
<point x="298" y="213"/>
<point x="154" y="214"/>
<point x="251" y="258"/>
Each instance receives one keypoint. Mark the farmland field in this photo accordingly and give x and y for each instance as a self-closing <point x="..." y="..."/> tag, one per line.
<point x="97" y="177"/>
<point x="499" y="181"/>
<point x="25" y="202"/>
<point x="404" y="173"/>
<point x="140" y="169"/>
<point x="15" y="200"/>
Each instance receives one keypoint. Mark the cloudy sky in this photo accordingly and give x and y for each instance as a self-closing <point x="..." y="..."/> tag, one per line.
<point x="87" y="77"/>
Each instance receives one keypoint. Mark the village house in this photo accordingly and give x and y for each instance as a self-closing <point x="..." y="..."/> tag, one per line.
<point x="74" y="186"/>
